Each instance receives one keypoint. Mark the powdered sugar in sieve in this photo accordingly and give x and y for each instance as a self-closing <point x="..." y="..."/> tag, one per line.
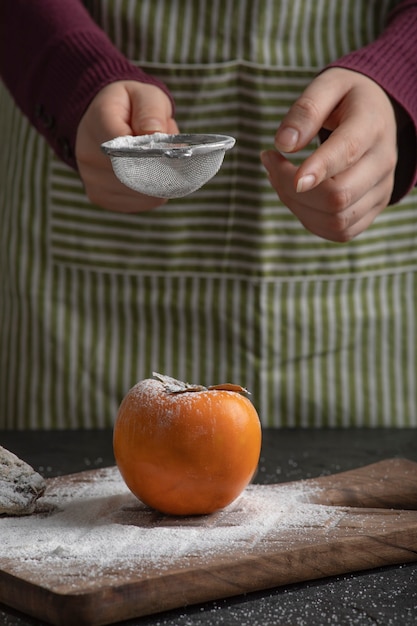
<point x="167" y="166"/>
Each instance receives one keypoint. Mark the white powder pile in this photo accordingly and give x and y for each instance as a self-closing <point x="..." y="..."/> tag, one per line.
<point x="89" y="526"/>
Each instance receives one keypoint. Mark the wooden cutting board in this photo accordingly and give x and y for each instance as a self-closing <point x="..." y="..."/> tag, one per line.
<point x="272" y="535"/>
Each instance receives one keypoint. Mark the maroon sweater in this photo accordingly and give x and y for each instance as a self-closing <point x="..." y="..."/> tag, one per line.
<point x="54" y="59"/>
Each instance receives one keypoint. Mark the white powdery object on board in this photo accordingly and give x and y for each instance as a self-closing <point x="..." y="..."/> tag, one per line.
<point x="20" y="485"/>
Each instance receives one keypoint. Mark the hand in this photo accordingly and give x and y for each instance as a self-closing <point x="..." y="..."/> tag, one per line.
<point x="342" y="186"/>
<point x="121" y="108"/>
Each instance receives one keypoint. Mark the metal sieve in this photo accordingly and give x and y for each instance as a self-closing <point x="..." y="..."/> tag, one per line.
<point x="167" y="166"/>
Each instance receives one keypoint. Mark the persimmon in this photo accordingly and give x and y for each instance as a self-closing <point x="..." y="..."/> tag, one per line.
<point x="186" y="449"/>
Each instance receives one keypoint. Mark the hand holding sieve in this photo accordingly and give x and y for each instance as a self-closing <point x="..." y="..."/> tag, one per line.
<point x="167" y="166"/>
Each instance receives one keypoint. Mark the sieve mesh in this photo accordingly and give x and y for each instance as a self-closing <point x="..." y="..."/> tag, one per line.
<point x="167" y="166"/>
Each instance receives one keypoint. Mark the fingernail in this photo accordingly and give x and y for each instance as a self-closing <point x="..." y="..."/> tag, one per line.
<point x="305" y="183"/>
<point x="266" y="160"/>
<point x="286" y="138"/>
<point x="150" y="126"/>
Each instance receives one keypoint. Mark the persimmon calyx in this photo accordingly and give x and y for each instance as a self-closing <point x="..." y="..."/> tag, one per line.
<point x="172" y="385"/>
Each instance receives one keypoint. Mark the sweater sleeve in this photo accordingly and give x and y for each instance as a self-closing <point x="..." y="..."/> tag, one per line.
<point x="391" y="61"/>
<point x="54" y="59"/>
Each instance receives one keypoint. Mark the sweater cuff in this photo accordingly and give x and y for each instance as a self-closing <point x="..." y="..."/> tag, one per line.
<point x="92" y="63"/>
<point x="391" y="62"/>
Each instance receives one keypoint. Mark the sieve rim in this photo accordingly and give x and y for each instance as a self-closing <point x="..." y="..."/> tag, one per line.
<point x="193" y="143"/>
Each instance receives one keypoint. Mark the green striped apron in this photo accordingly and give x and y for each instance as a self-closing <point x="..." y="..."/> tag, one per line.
<point x="225" y="284"/>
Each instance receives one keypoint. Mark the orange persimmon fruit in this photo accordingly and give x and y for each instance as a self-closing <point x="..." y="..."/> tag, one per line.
<point x="186" y="449"/>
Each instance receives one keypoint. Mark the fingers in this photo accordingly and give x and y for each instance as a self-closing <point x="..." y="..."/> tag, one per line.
<point x="105" y="190"/>
<point x="356" y="110"/>
<point x="131" y="108"/>
<point x="338" y="209"/>
<point x="341" y="151"/>
<point x="347" y="181"/>
<point x="122" y="108"/>
<point x="309" y="113"/>
<point x="151" y="110"/>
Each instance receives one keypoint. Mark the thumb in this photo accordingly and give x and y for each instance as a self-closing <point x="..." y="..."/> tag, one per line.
<point x="313" y="110"/>
<point x="151" y="110"/>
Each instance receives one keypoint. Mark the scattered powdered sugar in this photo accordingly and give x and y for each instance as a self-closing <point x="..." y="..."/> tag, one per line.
<point x="89" y="525"/>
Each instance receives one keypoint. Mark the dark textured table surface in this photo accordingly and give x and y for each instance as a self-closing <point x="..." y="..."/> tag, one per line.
<point x="385" y="596"/>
